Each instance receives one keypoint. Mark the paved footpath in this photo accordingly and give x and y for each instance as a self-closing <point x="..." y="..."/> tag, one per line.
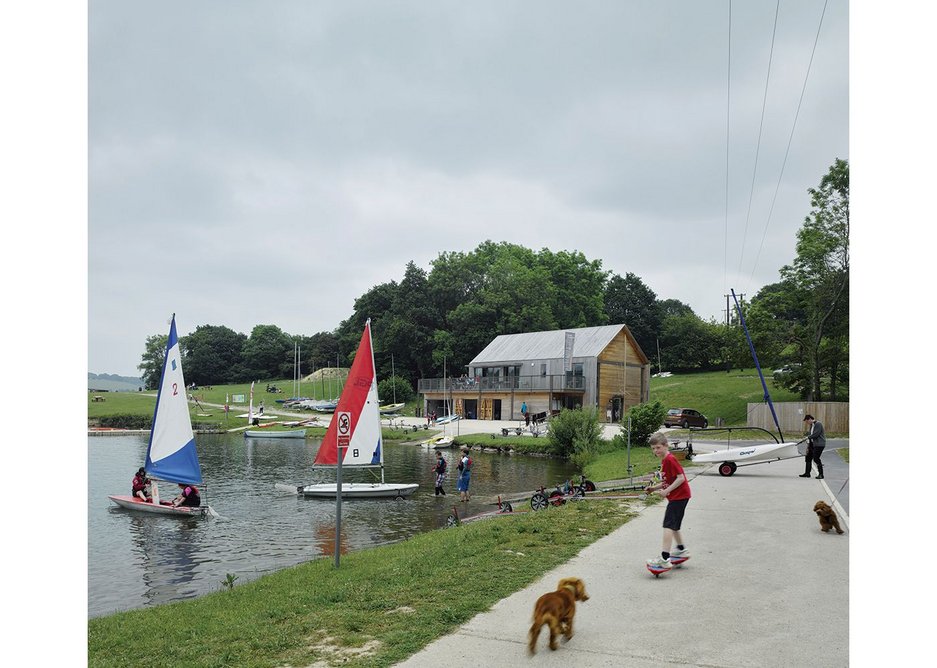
<point x="764" y="587"/>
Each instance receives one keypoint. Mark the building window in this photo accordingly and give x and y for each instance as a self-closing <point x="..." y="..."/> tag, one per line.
<point x="543" y="368"/>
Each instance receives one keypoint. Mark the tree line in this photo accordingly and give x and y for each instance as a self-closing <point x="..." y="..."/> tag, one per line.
<point x="447" y="315"/>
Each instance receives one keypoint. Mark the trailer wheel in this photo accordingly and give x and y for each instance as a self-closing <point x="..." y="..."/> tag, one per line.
<point x="556" y="498"/>
<point x="727" y="468"/>
<point x="506" y="507"/>
<point x="538" y="501"/>
<point x="451" y="521"/>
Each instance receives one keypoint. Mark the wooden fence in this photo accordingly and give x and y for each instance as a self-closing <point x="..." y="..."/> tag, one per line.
<point x="833" y="414"/>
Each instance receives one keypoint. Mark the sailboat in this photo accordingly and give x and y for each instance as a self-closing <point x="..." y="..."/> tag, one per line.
<point x="170" y="454"/>
<point x="365" y="446"/>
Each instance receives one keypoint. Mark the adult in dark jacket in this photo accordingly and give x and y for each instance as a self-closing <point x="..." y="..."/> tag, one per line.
<point x="816" y="441"/>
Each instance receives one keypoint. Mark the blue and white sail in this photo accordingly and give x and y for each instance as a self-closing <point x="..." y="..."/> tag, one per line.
<point x="171" y="453"/>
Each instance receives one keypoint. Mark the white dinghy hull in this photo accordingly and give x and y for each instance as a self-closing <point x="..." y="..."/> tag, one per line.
<point x="359" y="490"/>
<point x="133" y="503"/>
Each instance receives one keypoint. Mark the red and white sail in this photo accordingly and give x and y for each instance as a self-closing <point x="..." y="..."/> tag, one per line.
<point x="365" y="447"/>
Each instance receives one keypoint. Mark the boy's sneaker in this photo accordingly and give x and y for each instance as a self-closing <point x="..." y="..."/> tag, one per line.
<point x="659" y="563"/>
<point x="680" y="554"/>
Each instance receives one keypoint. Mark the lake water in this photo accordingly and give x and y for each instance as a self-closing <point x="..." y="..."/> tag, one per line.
<point x="141" y="559"/>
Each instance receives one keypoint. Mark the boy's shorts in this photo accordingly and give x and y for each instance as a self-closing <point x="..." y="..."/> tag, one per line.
<point x="673" y="516"/>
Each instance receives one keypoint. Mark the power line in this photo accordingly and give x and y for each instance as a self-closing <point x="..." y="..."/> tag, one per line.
<point x="764" y="103"/>
<point x="725" y="254"/>
<point x="789" y="141"/>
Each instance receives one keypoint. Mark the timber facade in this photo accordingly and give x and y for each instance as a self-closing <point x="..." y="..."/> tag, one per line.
<point x="604" y="368"/>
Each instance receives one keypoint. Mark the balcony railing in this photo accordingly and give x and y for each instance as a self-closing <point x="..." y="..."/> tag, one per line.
<point x="555" y="383"/>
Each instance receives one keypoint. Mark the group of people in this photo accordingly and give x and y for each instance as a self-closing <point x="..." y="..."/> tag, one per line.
<point x="141" y="489"/>
<point x="441" y="467"/>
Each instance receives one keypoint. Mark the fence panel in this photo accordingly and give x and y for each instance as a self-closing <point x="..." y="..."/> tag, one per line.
<point x="833" y="414"/>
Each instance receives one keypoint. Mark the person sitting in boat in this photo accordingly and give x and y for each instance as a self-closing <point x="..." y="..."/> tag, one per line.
<point x="188" y="497"/>
<point x="141" y="485"/>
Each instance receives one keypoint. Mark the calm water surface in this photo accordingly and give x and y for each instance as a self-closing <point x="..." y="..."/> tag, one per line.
<point x="140" y="559"/>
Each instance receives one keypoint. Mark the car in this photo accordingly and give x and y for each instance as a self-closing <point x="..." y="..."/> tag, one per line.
<point x="685" y="417"/>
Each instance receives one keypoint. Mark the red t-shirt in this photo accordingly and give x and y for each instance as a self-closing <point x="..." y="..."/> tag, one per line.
<point x="670" y="470"/>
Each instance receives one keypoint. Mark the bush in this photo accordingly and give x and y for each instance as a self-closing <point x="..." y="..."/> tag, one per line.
<point x="388" y="388"/>
<point x="645" y="420"/>
<point x="124" y="421"/>
<point x="575" y="434"/>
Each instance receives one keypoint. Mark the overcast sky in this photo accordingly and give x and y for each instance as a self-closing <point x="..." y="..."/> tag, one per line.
<point x="267" y="163"/>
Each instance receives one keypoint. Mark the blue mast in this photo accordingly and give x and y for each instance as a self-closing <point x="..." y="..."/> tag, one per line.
<point x="751" y="347"/>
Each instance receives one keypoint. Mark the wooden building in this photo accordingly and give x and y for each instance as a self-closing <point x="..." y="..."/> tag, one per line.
<point x="590" y="367"/>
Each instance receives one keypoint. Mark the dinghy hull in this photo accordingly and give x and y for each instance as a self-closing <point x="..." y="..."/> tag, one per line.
<point x="359" y="490"/>
<point x="134" y="503"/>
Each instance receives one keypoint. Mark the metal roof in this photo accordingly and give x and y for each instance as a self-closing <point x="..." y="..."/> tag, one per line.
<point x="590" y="342"/>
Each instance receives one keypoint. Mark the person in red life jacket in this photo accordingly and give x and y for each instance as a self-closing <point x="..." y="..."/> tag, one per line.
<point x="141" y="485"/>
<point x="675" y="487"/>
<point x="188" y="497"/>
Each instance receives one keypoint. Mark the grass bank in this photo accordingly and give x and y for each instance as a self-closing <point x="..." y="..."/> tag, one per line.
<point x="383" y="604"/>
<point x="717" y="394"/>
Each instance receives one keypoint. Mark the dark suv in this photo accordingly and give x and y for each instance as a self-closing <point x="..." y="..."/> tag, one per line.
<point x="685" y="417"/>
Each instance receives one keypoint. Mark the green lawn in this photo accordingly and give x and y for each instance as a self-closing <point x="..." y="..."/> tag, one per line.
<point x="717" y="393"/>
<point x="381" y="606"/>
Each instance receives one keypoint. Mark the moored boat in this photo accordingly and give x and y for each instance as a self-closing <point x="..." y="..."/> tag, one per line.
<point x="365" y="447"/>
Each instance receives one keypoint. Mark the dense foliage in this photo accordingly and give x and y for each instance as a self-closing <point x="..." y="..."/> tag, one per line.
<point x="575" y="434"/>
<point x="645" y="420"/>
<point x="434" y="322"/>
<point x="395" y="389"/>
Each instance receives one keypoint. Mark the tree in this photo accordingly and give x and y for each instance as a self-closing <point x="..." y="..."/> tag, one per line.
<point x="268" y="353"/>
<point x="151" y="364"/>
<point x="814" y="304"/>
<point x="821" y="268"/>
<point x="213" y="355"/>
<point x="690" y="344"/>
<point x="630" y="301"/>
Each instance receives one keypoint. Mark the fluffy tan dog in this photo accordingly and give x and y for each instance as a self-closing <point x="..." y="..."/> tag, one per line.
<point x="827" y="515"/>
<point x="557" y="609"/>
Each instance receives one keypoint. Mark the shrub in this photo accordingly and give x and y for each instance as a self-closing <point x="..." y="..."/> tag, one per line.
<point x="575" y="434"/>
<point x="645" y="420"/>
<point x="124" y="421"/>
<point x="388" y="388"/>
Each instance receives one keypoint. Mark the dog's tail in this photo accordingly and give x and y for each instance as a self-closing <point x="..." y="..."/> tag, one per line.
<point x="534" y="633"/>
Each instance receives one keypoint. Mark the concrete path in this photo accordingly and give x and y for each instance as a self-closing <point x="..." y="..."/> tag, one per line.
<point x="764" y="587"/>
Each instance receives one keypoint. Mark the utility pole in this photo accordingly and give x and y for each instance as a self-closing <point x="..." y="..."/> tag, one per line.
<point x="728" y="311"/>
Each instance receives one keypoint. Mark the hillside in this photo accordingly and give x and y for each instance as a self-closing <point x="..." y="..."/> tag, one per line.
<point x="113" y="383"/>
<point x="716" y="394"/>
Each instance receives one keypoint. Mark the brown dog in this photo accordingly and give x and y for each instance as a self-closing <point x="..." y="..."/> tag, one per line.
<point x="557" y="609"/>
<point x="827" y="515"/>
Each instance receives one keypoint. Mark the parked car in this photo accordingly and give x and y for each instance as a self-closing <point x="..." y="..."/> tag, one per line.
<point x="685" y="417"/>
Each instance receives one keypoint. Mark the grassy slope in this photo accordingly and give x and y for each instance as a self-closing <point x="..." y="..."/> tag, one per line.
<point x="391" y="600"/>
<point x="717" y="393"/>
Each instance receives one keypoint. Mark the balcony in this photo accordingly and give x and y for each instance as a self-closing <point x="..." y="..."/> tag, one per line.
<point x="555" y="383"/>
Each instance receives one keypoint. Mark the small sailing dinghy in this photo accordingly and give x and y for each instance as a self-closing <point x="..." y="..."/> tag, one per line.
<point x="270" y="433"/>
<point x="365" y="446"/>
<point x="170" y="454"/>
